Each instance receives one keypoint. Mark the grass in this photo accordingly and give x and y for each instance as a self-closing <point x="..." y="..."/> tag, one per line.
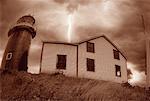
<point x="56" y="87"/>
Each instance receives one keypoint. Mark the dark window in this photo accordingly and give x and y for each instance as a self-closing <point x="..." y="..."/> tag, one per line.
<point x="9" y="56"/>
<point x="116" y="54"/>
<point x="90" y="65"/>
<point x="61" y="62"/>
<point x="90" y="47"/>
<point x="118" y="71"/>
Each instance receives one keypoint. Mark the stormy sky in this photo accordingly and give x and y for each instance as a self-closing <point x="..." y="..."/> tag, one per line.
<point x="119" y="20"/>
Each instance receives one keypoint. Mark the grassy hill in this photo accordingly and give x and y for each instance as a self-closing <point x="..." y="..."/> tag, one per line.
<point x="56" y="87"/>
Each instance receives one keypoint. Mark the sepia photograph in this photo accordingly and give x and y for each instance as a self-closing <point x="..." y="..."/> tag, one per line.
<point x="74" y="50"/>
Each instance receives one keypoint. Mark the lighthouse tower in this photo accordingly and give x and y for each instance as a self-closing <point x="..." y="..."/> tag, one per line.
<point x="15" y="57"/>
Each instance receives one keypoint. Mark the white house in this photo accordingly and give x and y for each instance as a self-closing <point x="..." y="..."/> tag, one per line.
<point x="96" y="58"/>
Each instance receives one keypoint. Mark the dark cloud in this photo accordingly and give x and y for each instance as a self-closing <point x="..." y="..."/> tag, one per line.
<point x="79" y="2"/>
<point x="72" y="5"/>
<point x="132" y="39"/>
<point x="11" y="10"/>
<point x="60" y="1"/>
<point x="0" y="20"/>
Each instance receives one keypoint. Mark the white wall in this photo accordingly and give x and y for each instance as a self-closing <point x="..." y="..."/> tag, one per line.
<point x="104" y="62"/>
<point x="49" y="58"/>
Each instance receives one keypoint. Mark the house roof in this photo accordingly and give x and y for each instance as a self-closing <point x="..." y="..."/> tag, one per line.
<point x="76" y="44"/>
<point x="55" y="42"/>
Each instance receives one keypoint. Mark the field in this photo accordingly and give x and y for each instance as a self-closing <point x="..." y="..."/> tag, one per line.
<point x="23" y="86"/>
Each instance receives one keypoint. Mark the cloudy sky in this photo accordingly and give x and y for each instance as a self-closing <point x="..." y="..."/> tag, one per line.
<point x="119" y="20"/>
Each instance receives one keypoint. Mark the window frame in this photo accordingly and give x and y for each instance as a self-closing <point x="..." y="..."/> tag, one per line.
<point x="9" y="56"/>
<point x="90" y="69"/>
<point x="93" y="47"/>
<point x="117" y="69"/>
<point x="58" y="63"/>
<point x="118" y="54"/>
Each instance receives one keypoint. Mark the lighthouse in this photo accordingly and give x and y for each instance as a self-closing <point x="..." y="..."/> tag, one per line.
<point x="15" y="57"/>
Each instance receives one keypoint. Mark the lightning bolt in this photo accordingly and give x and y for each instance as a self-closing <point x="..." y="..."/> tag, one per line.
<point x="69" y="33"/>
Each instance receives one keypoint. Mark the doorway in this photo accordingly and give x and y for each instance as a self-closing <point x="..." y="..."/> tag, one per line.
<point x="23" y="62"/>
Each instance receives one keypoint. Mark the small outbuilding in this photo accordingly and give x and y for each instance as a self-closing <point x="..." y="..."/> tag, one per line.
<point x="96" y="58"/>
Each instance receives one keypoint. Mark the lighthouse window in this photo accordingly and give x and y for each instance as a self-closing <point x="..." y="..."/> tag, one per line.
<point x="9" y="56"/>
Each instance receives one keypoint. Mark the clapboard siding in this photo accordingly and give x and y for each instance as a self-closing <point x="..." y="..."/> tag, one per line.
<point x="49" y="58"/>
<point x="77" y="56"/>
<point x="104" y="62"/>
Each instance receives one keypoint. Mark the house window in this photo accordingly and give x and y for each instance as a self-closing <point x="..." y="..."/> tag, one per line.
<point x="90" y="47"/>
<point x="90" y="65"/>
<point x="116" y="54"/>
<point x="118" y="71"/>
<point x="9" y="56"/>
<point x="61" y="62"/>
